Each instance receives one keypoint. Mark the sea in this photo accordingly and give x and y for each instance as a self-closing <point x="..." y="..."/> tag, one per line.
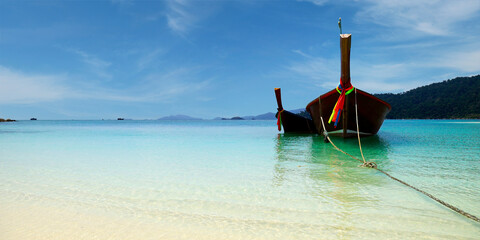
<point x="235" y="180"/>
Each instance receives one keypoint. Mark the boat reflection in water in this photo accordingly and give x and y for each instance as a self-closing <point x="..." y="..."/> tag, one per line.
<point x="328" y="170"/>
<point x="336" y="193"/>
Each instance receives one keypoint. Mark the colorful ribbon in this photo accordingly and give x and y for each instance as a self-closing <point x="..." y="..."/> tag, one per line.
<point x="337" y="110"/>
<point x="279" y="120"/>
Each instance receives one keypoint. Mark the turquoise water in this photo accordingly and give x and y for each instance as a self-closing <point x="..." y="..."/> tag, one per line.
<point x="235" y="180"/>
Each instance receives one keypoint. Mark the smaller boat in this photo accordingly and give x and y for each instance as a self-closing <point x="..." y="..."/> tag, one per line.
<point x="291" y="122"/>
<point x="33" y="119"/>
<point x="120" y="119"/>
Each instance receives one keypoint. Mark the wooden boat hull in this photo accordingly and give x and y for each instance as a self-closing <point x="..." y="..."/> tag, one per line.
<point x="294" y="123"/>
<point x="371" y="113"/>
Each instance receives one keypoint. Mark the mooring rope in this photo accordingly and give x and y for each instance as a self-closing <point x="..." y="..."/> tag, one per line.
<point x="374" y="166"/>
<point x="358" y="134"/>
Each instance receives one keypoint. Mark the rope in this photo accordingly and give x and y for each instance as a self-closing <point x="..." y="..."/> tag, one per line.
<point x="325" y="133"/>
<point x="374" y="166"/>
<point x="358" y="129"/>
<point x="460" y="211"/>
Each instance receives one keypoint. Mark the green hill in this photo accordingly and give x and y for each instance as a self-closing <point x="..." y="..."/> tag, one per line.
<point x="455" y="98"/>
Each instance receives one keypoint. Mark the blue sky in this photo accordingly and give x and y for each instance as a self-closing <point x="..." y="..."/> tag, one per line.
<point x="148" y="59"/>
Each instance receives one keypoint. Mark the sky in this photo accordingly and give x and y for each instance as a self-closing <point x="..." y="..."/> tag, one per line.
<point x="149" y="59"/>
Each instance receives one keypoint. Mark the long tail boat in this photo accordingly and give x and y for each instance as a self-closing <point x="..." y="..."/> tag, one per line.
<point x="335" y="111"/>
<point x="338" y="111"/>
<point x="291" y="122"/>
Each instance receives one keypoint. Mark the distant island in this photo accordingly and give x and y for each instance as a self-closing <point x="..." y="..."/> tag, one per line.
<point x="179" y="117"/>
<point x="7" y="120"/>
<point x="233" y="118"/>
<point x="265" y="116"/>
<point x="457" y="98"/>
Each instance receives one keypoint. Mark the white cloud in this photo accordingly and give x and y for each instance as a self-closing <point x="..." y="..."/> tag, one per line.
<point x="384" y="77"/>
<point x="122" y="2"/>
<point x="17" y="87"/>
<point x="184" y="15"/>
<point x="22" y="88"/>
<point x="166" y="87"/>
<point x="316" y="2"/>
<point x="179" y="17"/>
<point x="431" y="17"/>
<point x="96" y="65"/>
<point x="301" y="53"/>
<point x="466" y="61"/>
<point x="148" y="58"/>
<point x="318" y="71"/>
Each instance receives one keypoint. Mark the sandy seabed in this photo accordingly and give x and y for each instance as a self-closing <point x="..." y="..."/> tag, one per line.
<point x="37" y="222"/>
<point x="40" y="222"/>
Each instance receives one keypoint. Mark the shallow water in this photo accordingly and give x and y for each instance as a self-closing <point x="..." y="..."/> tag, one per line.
<point x="234" y="180"/>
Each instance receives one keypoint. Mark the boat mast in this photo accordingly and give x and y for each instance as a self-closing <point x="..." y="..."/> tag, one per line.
<point x="279" y="99"/>
<point x="345" y="45"/>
